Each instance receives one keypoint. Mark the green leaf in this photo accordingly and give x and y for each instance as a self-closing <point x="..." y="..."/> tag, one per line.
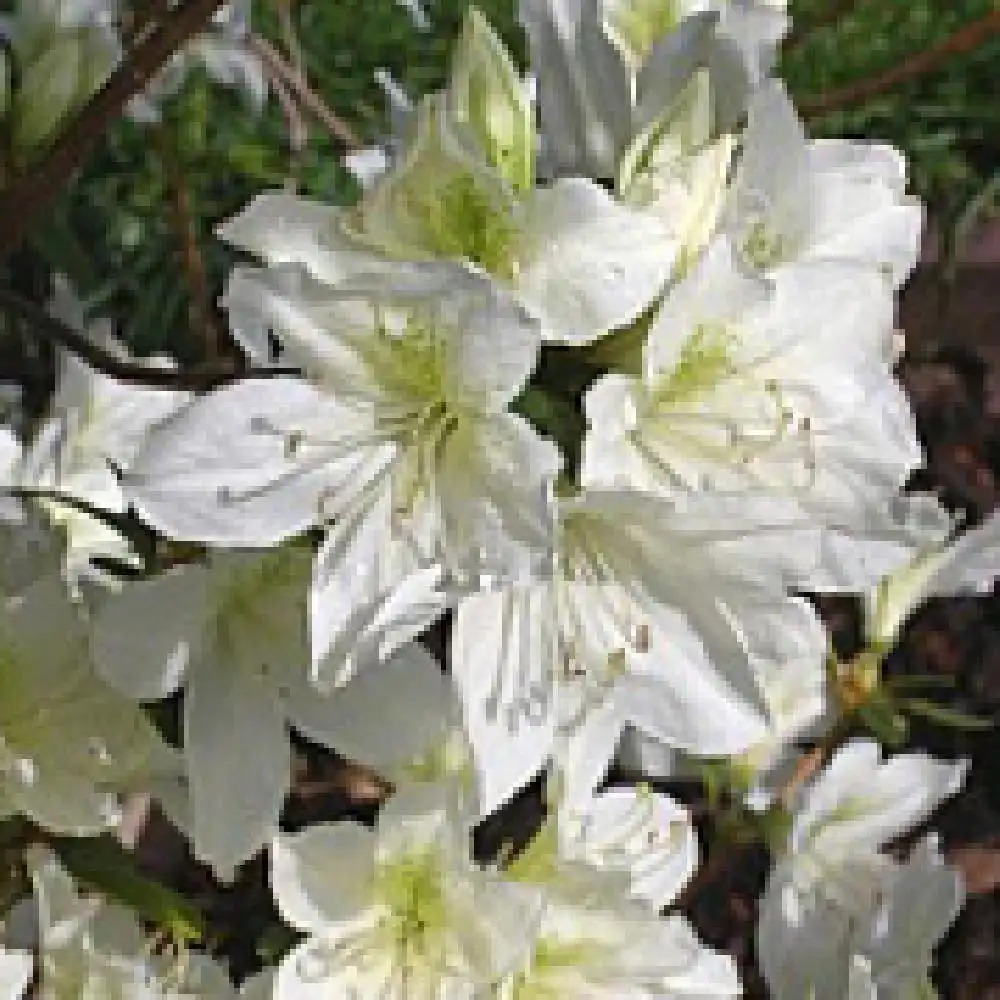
<point x="945" y="716"/>
<point x="881" y="718"/>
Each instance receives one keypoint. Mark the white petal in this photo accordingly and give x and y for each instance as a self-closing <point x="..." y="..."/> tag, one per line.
<point x="385" y="716"/>
<point x="223" y="471"/>
<point x="498" y="656"/>
<point x="972" y="562"/>
<point x="869" y="222"/>
<point x="774" y="165"/>
<point x="319" y="334"/>
<point x="583" y="86"/>
<point x="321" y="876"/>
<point x="675" y="693"/>
<point x="594" y="263"/>
<point x="924" y="899"/>
<point x="801" y="948"/>
<point x="495" y="490"/>
<point x="15" y="971"/>
<point x="143" y="635"/>
<point x="859" y="802"/>
<point x="609" y="460"/>
<point x="370" y="592"/>
<point x="285" y="229"/>
<point x="238" y="760"/>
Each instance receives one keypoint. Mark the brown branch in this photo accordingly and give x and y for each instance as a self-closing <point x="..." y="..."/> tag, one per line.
<point x="41" y="324"/>
<point x="27" y="195"/>
<point x="186" y="236"/>
<point x="279" y="68"/>
<point x="966" y="39"/>
<point x="298" y="135"/>
<point x="298" y="131"/>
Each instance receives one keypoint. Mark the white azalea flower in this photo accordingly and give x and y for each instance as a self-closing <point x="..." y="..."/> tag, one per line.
<point x="402" y="433"/>
<point x="794" y="200"/>
<point x="569" y="253"/>
<point x="890" y="952"/>
<point x="669" y="636"/>
<point x="69" y="744"/>
<point x="833" y="867"/>
<point x="776" y="388"/>
<point x="398" y="913"/>
<point x="599" y="936"/>
<point x="643" y="834"/>
<point x="236" y="637"/>
<point x="463" y="189"/>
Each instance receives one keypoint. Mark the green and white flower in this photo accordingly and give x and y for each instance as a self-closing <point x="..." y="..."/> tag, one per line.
<point x="618" y="951"/>
<point x="236" y="638"/>
<point x="830" y="878"/>
<point x="398" y="913"/>
<point x="401" y="435"/>
<point x="664" y="617"/>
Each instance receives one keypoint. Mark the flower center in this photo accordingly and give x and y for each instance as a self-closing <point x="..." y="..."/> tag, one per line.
<point x="704" y="361"/>
<point x="410" y="888"/>
<point x="711" y="409"/>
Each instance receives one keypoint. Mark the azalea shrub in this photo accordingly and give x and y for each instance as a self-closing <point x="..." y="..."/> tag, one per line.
<point x="595" y="377"/>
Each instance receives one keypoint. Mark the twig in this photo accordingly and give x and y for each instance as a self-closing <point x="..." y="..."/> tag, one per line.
<point x="28" y="194"/>
<point x="297" y="128"/>
<point x="966" y="39"/>
<point x="298" y="136"/>
<point x="42" y="324"/>
<point x="186" y="236"/>
<point x="306" y="96"/>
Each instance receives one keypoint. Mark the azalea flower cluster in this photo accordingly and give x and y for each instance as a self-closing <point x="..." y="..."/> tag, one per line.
<point x="598" y="368"/>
